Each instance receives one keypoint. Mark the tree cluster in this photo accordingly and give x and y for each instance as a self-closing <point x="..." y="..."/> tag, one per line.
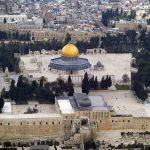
<point x="15" y="35"/>
<point x="116" y="14"/>
<point x="43" y="91"/>
<point x="120" y="43"/>
<point x="141" y="93"/>
<point x="90" y="145"/>
<point x="141" y="78"/>
<point x="148" y="21"/>
<point x="93" y="83"/>
<point x="106" y="82"/>
<point x="109" y="14"/>
<point x="7" y="58"/>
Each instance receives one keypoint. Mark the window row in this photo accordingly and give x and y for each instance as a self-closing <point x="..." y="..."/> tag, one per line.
<point x="120" y="121"/>
<point x="34" y="123"/>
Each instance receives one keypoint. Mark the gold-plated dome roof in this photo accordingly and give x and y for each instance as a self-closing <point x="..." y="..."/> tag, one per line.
<point x="69" y="50"/>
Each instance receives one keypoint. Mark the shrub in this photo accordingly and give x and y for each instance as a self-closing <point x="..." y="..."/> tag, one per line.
<point x="7" y="144"/>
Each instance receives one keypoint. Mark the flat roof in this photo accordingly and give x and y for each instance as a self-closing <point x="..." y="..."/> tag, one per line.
<point x="97" y="103"/>
<point x="30" y="116"/>
<point x="65" y="106"/>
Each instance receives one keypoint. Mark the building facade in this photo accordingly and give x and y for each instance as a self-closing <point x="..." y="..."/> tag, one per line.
<point x="13" y="18"/>
<point x="131" y="25"/>
<point x="45" y="35"/>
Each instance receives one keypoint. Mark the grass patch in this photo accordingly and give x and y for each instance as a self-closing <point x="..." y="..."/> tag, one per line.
<point x="123" y="87"/>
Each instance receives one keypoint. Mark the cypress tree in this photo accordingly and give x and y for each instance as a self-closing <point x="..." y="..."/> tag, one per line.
<point x="1" y="103"/>
<point x="5" y="21"/>
<point x="20" y="81"/>
<point x="102" y="85"/>
<point x="109" y="82"/>
<point x="70" y="89"/>
<point x="91" y="82"/>
<point x="95" y="83"/>
<point x="85" y="84"/>
<point x="12" y="91"/>
<point x="69" y="79"/>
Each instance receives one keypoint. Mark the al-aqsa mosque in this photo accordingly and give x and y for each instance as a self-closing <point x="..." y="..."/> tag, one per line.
<point x="69" y="60"/>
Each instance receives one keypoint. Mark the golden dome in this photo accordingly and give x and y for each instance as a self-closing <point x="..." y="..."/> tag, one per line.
<point x="69" y="50"/>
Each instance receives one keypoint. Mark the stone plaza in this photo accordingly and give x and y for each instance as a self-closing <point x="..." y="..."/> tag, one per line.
<point x="114" y="65"/>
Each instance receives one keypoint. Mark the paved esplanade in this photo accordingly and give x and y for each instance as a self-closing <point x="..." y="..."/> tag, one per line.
<point x="69" y="60"/>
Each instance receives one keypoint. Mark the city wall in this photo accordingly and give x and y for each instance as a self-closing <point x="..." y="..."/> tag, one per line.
<point x="133" y="123"/>
<point x="17" y="128"/>
<point x="11" y="128"/>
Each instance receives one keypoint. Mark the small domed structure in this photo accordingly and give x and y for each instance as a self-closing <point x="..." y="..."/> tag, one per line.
<point x="99" y="64"/>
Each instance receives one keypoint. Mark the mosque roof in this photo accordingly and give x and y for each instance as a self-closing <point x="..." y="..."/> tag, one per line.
<point x="69" y="50"/>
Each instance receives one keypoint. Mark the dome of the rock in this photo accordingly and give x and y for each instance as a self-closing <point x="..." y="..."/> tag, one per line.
<point x="69" y="50"/>
<point x="69" y="60"/>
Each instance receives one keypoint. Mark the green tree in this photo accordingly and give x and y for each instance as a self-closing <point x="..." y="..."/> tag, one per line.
<point x="44" y="21"/>
<point x="51" y="97"/>
<point x="34" y="85"/>
<point x="16" y="65"/>
<point x="104" y="82"/>
<point x="132" y="15"/>
<point x="12" y="91"/>
<point x="94" y="42"/>
<point x="42" y="81"/>
<point x="70" y="89"/>
<point x="131" y="34"/>
<point x="109" y="82"/>
<point x="69" y="79"/>
<point x="85" y="84"/>
<point x="7" y="57"/>
<point x="1" y="103"/>
<point x="95" y="83"/>
<point x="91" y="83"/>
<point x="102" y="85"/>
<point x="5" y="21"/>
<point x="139" y="90"/>
<point x="20" y="82"/>
<point x="68" y="38"/>
<point x="7" y="144"/>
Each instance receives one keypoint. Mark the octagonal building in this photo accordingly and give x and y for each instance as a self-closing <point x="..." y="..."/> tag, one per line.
<point x="69" y="60"/>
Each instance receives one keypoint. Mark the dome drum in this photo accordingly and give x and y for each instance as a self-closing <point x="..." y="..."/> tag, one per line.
<point x="69" y="58"/>
<point x="69" y="66"/>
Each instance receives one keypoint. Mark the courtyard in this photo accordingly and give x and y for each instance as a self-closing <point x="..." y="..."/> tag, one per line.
<point x="114" y="64"/>
<point x="124" y="102"/>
